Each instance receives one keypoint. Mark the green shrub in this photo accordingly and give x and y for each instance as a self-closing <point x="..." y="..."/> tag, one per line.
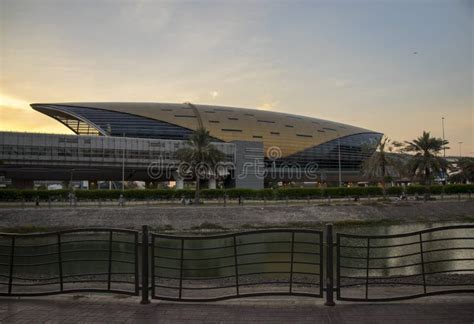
<point x="395" y="191"/>
<point x="212" y="193"/>
<point x="421" y="190"/>
<point x="9" y="194"/>
<point x="267" y="193"/>
<point x="458" y="188"/>
<point x="97" y="194"/>
<point x="415" y="189"/>
<point x="297" y="193"/>
<point x="353" y="191"/>
<point x="281" y="193"/>
<point x="244" y="193"/>
<point x="30" y="195"/>
<point x="436" y="190"/>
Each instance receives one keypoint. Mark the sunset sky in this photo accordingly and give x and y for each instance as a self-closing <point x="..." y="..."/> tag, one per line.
<point x="395" y="67"/>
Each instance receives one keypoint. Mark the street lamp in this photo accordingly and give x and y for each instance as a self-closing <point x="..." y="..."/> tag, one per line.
<point x="444" y="146"/>
<point x="123" y="162"/>
<point x="70" y="179"/>
<point x="339" y="159"/>
<point x="460" y="143"/>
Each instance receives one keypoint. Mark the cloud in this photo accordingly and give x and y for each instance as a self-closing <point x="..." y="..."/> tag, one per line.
<point x="146" y="15"/>
<point x="269" y="105"/>
<point x="13" y="103"/>
<point x="20" y="120"/>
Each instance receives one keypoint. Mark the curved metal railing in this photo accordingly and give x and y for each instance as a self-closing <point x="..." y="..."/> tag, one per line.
<point x="404" y="266"/>
<point x="82" y="260"/>
<point x="253" y="263"/>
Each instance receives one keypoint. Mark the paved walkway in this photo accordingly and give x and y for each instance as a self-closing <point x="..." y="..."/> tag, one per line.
<point x="93" y="309"/>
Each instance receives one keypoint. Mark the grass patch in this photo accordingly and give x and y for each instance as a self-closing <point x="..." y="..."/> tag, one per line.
<point x="362" y="222"/>
<point x="77" y="297"/>
<point x="25" y="229"/>
<point x="162" y="228"/>
<point x="208" y="226"/>
<point x="468" y="219"/>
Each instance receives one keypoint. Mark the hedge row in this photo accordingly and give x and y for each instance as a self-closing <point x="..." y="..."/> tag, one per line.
<point x="282" y="193"/>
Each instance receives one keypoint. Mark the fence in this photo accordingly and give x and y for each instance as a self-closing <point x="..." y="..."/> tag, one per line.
<point x="254" y="263"/>
<point x="408" y="265"/>
<point x="83" y="260"/>
<point x="257" y="263"/>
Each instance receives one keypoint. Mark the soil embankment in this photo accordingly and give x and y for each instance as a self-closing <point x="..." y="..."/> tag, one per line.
<point x="181" y="218"/>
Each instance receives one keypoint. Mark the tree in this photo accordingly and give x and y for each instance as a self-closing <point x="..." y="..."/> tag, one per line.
<point x="200" y="156"/>
<point x="383" y="159"/>
<point x="426" y="161"/>
<point x="463" y="170"/>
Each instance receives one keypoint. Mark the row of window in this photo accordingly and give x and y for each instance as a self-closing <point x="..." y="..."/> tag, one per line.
<point x="120" y="124"/>
<point x="351" y="150"/>
<point x="9" y="151"/>
<point x="268" y="121"/>
<point x="258" y="136"/>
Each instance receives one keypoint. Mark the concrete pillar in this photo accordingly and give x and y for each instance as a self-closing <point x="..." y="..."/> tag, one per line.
<point x="179" y="184"/>
<point x="212" y="183"/>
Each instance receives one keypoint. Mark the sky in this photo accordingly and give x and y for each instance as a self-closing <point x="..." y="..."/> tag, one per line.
<point x="396" y="67"/>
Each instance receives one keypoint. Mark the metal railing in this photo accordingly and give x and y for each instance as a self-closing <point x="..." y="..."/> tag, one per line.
<point x="82" y="260"/>
<point x="253" y="263"/>
<point x="408" y="265"/>
<point x="246" y="264"/>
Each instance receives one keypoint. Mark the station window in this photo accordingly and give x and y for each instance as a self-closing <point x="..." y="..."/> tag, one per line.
<point x="231" y="130"/>
<point x="185" y="116"/>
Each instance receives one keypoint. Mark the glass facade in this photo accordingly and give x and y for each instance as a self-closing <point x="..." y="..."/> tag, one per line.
<point x="298" y="140"/>
<point x="120" y="124"/>
<point x="354" y="150"/>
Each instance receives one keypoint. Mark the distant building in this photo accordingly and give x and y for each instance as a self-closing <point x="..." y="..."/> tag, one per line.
<point x="263" y="146"/>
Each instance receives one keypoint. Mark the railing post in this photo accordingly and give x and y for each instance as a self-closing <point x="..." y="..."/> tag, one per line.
<point x="60" y="263"/>
<point x="12" y="260"/>
<point x="145" y="289"/>
<point x="109" y="277"/>
<point x="329" y="267"/>
<point x="236" y="267"/>
<point x="292" y="260"/>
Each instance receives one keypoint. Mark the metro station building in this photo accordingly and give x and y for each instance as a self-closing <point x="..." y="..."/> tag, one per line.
<point x="262" y="147"/>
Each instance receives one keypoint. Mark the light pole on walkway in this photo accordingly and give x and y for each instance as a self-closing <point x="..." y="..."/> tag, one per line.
<point x="339" y="160"/>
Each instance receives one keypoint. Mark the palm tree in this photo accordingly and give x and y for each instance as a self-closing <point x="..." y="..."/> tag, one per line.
<point x="426" y="161"/>
<point x="201" y="157"/>
<point x="383" y="159"/>
<point x="463" y="170"/>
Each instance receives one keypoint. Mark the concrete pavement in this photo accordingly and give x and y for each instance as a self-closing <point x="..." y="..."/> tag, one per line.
<point x="106" y="309"/>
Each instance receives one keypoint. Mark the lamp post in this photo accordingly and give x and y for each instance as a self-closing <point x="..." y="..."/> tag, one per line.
<point x="70" y="179"/>
<point x="339" y="159"/>
<point x="123" y="162"/>
<point x="460" y="143"/>
<point x="444" y="146"/>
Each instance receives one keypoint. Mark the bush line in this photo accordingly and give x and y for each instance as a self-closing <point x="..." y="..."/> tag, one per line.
<point x="270" y="194"/>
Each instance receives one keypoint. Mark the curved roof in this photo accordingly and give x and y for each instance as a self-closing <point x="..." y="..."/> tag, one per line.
<point x="291" y="133"/>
